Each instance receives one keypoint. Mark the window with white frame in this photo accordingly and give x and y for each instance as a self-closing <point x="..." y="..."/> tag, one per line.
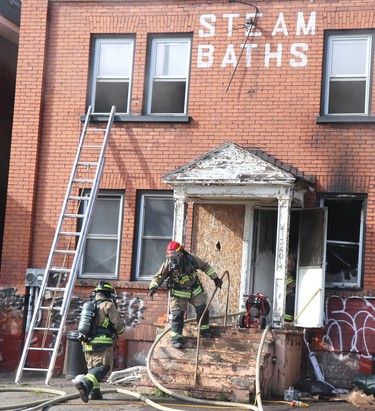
<point x="169" y="68"/>
<point x="101" y="254"/>
<point x="112" y="74"/>
<point x="345" y="240"/>
<point x="347" y="79"/>
<point x="155" y="227"/>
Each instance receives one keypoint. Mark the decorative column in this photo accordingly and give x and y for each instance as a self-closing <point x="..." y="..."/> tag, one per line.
<point x="180" y="216"/>
<point x="281" y="260"/>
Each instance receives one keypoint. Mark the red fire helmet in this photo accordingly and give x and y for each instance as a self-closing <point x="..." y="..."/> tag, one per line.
<point x="173" y="248"/>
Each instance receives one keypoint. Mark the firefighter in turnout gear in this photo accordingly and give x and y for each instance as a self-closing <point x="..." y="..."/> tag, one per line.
<point x="180" y="270"/>
<point x="290" y="288"/>
<point x="99" y="349"/>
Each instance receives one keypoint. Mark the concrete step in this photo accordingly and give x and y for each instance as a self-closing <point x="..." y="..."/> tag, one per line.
<point x="226" y="364"/>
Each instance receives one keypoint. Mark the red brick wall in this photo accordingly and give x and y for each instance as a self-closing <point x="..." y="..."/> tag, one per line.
<point x="272" y="108"/>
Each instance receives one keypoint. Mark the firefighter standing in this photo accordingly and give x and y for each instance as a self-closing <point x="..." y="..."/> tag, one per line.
<point x="180" y="268"/>
<point x="99" y="351"/>
<point x="290" y="288"/>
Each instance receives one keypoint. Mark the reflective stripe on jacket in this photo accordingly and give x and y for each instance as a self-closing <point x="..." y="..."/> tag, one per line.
<point x="187" y="293"/>
<point x="184" y="282"/>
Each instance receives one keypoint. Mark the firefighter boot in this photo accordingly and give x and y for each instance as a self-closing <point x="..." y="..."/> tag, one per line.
<point x="84" y="386"/>
<point x="95" y="394"/>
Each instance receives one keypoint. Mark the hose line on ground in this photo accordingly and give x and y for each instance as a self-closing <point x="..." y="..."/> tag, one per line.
<point x="33" y="403"/>
<point x="62" y="396"/>
<point x="200" y="401"/>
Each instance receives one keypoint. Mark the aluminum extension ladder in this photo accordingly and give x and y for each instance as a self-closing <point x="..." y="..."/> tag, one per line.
<point x="51" y="309"/>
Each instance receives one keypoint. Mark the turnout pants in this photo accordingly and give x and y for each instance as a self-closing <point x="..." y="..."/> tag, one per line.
<point x="178" y="308"/>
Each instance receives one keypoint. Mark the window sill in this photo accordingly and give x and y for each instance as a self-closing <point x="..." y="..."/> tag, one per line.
<point x="140" y="119"/>
<point x="342" y="286"/>
<point x="345" y="119"/>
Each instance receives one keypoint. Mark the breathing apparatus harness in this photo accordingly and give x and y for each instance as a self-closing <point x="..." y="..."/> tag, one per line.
<point x="185" y="268"/>
<point x="88" y="327"/>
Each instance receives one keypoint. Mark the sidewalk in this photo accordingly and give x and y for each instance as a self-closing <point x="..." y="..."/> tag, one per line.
<point x="12" y="395"/>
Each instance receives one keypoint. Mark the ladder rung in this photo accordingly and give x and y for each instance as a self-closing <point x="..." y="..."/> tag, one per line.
<point x="93" y="147"/>
<point x="45" y="329"/>
<point x="75" y="215"/>
<point x="65" y="251"/>
<point x="70" y="233"/>
<point x="96" y="129"/>
<point x="56" y="289"/>
<point x="35" y="369"/>
<point x="88" y="163"/>
<point x="60" y="270"/>
<point x="79" y="198"/>
<point x="83" y="180"/>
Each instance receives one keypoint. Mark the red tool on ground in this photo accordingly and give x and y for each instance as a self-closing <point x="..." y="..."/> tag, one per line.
<point x="258" y="307"/>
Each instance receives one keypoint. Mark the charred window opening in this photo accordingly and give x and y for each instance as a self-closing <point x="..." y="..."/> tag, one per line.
<point x="344" y="244"/>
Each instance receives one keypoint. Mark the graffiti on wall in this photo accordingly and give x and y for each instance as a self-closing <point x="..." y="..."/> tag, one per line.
<point x="350" y="325"/>
<point x="10" y="300"/>
<point x="11" y="308"/>
<point x="131" y="309"/>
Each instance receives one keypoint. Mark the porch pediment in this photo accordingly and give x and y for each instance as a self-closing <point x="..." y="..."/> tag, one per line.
<point x="230" y="164"/>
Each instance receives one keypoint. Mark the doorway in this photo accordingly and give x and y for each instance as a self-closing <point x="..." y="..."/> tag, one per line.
<point x="264" y="249"/>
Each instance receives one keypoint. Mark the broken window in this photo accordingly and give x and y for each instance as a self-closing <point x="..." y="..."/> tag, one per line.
<point x="347" y="73"/>
<point x="155" y="227"/>
<point x="112" y="74"/>
<point x="169" y="70"/>
<point x="344" y="244"/>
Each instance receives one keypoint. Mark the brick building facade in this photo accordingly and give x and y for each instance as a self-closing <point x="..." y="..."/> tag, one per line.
<point x="232" y="119"/>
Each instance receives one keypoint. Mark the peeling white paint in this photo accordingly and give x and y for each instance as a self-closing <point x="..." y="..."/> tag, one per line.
<point x="231" y="173"/>
<point x="229" y="164"/>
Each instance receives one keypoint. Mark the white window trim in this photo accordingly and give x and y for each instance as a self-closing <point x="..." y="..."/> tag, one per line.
<point x="141" y="237"/>
<point x="154" y="42"/>
<point x="360" y="245"/>
<point x="95" y="76"/>
<point x="102" y="194"/>
<point x="328" y="77"/>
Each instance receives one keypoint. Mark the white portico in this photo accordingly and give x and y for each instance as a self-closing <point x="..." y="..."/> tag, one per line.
<point x="231" y="174"/>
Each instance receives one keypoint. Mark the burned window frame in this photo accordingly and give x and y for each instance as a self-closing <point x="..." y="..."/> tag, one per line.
<point x="348" y="246"/>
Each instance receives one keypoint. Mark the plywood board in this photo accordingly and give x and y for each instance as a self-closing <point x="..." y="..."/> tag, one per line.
<point x="213" y="224"/>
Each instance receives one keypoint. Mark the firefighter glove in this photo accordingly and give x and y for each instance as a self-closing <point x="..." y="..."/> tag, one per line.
<point x="218" y="282"/>
<point x="152" y="291"/>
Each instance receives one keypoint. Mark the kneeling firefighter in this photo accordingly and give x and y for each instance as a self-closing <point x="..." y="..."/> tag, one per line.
<point x="98" y="340"/>
<point x="180" y="268"/>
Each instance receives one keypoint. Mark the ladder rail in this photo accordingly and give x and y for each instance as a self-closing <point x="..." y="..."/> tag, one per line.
<point x="87" y="219"/>
<point x="73" y="269"/>
<point x="66" y="198"/>
<point x="52" y="252"/>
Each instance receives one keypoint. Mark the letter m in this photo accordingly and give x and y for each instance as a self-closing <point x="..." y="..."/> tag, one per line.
<point x="301" y="25"/>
